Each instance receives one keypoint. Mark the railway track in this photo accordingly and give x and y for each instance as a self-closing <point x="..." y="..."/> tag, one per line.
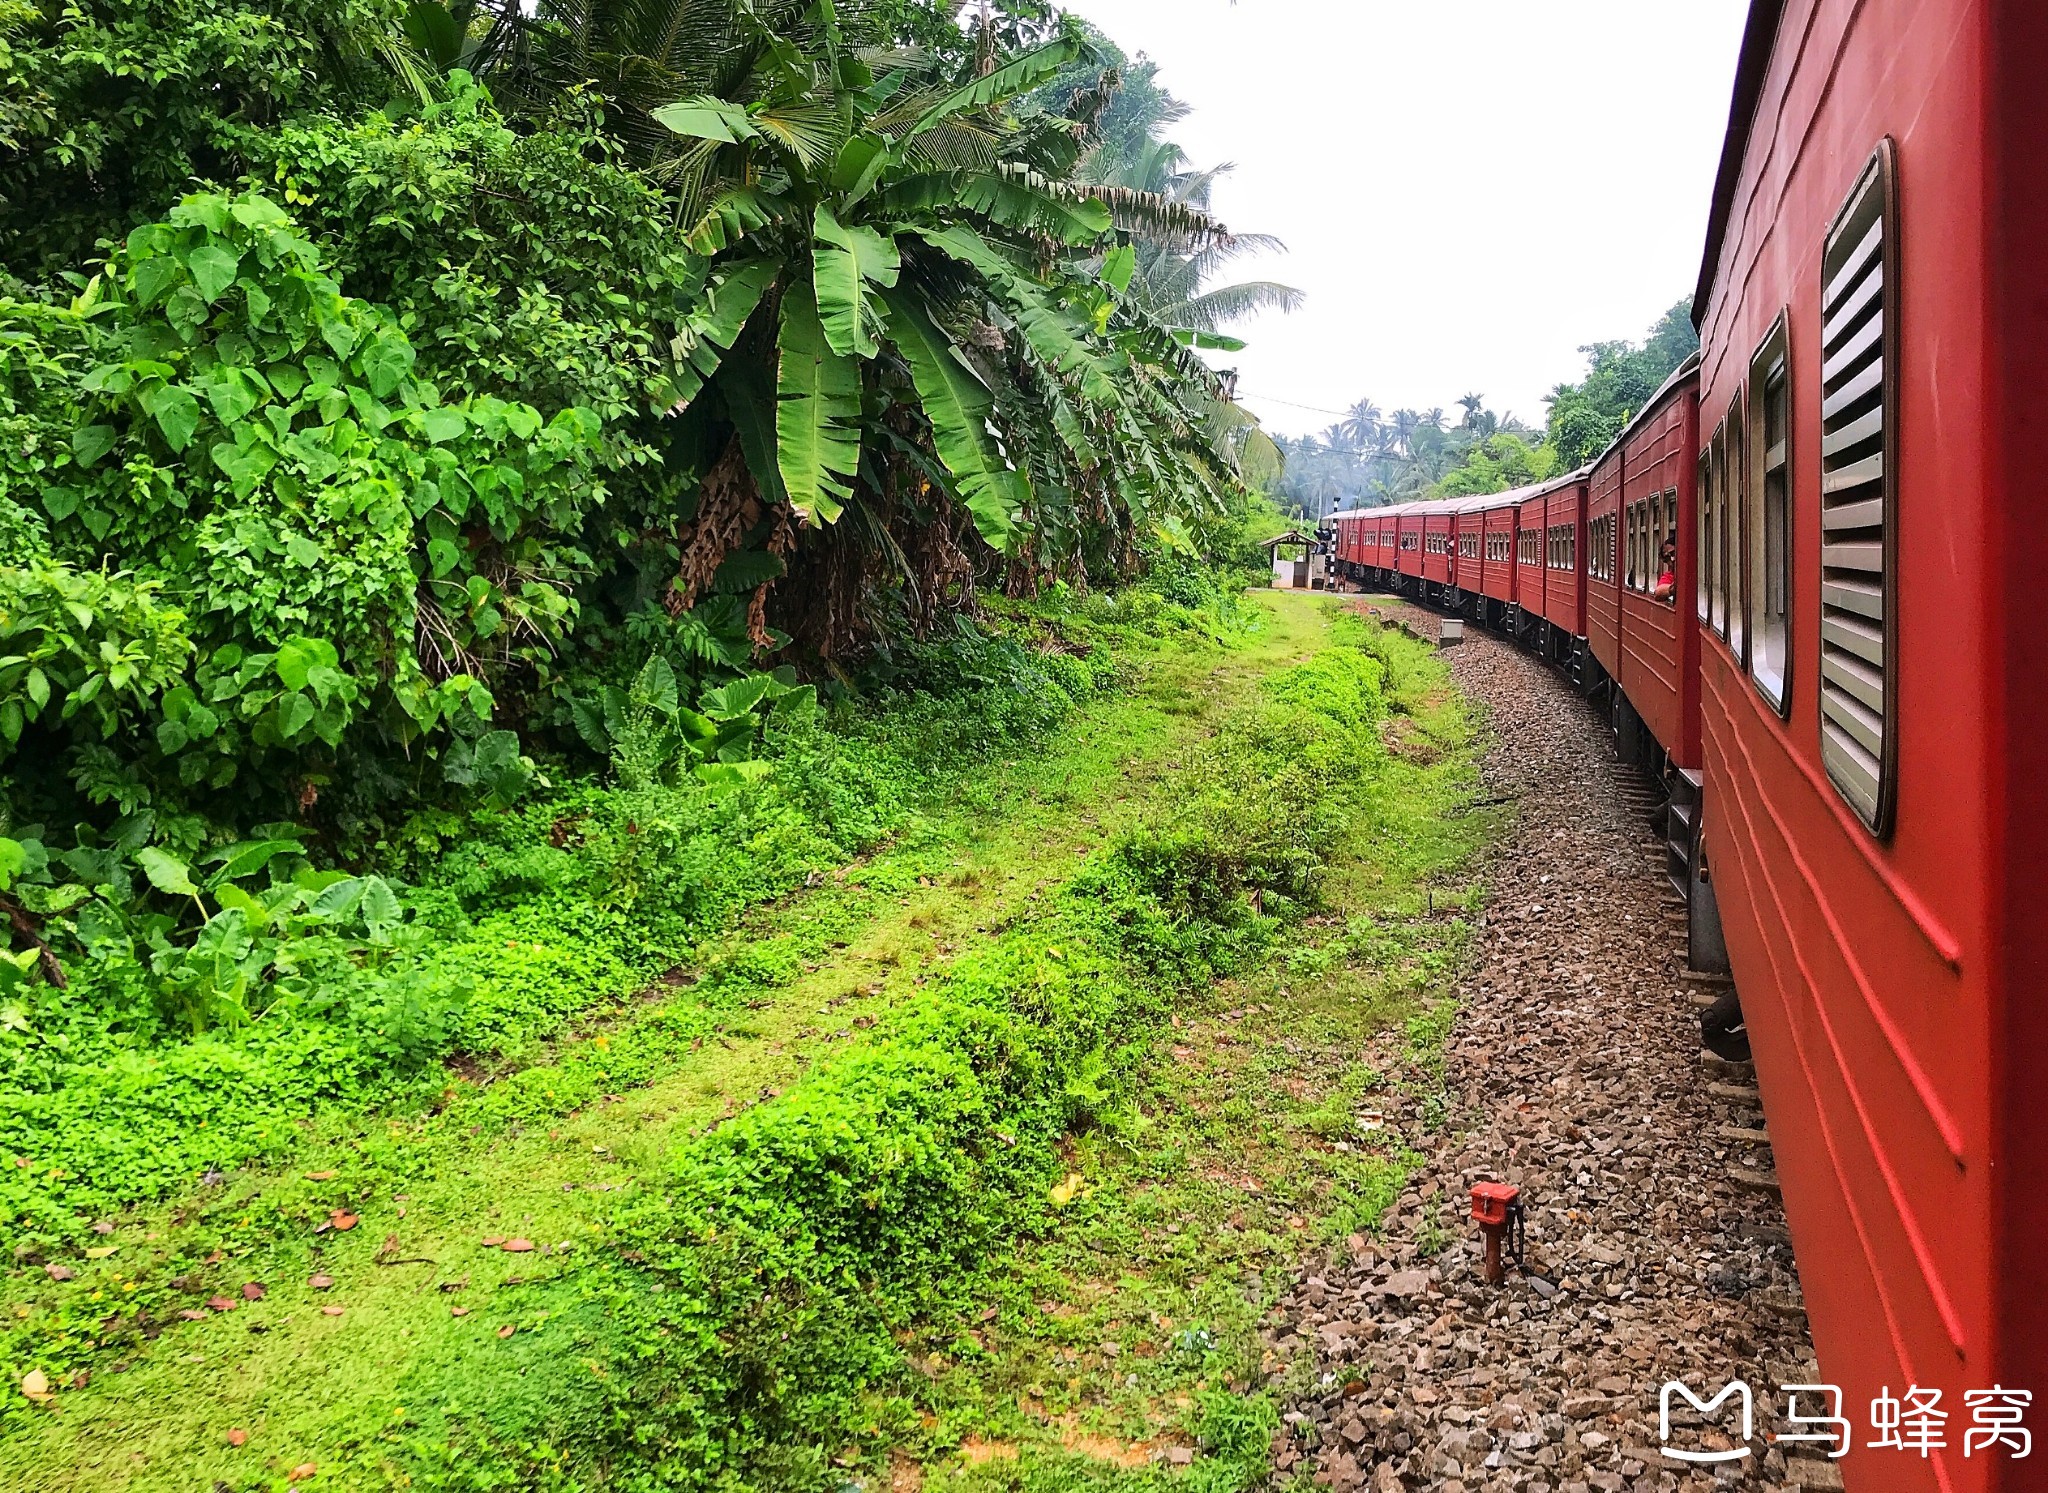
<point x="1657" y="1246"/>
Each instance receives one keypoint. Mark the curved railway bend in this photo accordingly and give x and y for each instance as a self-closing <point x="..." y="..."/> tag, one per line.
<point x="1575" y="1071"/>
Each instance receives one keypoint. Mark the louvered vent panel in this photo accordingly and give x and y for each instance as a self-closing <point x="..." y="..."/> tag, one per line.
<point x="1854" y="671"/>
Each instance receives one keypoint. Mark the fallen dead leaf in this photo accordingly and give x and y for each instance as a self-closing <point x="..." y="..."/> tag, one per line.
<point x="342" y="1219"/>
<point x="330" y="1311"/>
<point x="507" y="1330"/>
<point x="1064" y="1192"/>
<point x="492" y="1241"/>
<point x="518" y="1246"/>
<point x="192" y="1316"/>
<point x="320" y="1176"/>
<point x="321" y="1282"/>
<point x="104" y="1226"/>
<point x="301" y="1472"/>
<point x="458" y="1311"/>
<point x="237" y="1436"/>
<point x="251" y="1291"/>
<point x="102" y="1251"/>
<point x="36" y="1385"/>
<point x="59" y="1272"/>
<point x="221" y="1303"/>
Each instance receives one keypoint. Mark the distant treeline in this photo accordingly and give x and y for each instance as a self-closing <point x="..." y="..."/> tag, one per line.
<point x="1371" y="458"/>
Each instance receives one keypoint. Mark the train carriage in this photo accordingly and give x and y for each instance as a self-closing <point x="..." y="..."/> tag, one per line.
<point x="1468" y="523"/>
<point x="1529" y="564"/>
<point x="1603" y="578"/>
<point x="1497" y="552"/>
<point x="1436" y="547"/>
<point x="1408" y="544"/>
<point x="1564" y="545"/>
<point x="1659" y="674"/>
<point x="1874" y="387"/>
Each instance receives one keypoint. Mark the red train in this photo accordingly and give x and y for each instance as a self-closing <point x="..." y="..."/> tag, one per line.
<point x="1840" y="676"/>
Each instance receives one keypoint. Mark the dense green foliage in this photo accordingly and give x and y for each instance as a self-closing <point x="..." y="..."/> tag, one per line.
<point x="362" y="484"/>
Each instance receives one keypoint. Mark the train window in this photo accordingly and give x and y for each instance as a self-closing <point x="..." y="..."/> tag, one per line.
<point x="1717" y="530"/>
<point x="1734" y="524"/>
<point x="1769" y="537"/>
<point x="1702" y="493"/>
<point x="1858" y="450"/>
<point x="1667" y="532"/>
<point x="1634" y="519"/>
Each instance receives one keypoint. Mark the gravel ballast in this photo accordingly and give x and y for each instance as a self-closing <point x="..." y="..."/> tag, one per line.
<point x="1657" y="1247"/>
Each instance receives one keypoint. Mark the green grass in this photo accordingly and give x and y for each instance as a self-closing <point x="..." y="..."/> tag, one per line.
<point x="619" y="1136"/>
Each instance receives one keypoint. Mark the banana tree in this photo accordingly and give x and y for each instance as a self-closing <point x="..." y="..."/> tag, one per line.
<point x="916" y="248"/>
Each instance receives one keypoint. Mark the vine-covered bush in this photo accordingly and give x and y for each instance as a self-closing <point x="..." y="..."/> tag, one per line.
<point x="357" y="556"/>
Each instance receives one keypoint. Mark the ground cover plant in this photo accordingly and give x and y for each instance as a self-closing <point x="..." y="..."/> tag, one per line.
<point x="752" y="1245"/>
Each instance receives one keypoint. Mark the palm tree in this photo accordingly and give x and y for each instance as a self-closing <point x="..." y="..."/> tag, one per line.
<point x="1361" y="425"/>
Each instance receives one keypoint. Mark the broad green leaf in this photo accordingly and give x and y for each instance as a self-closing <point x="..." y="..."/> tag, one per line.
<point x="166" y="873"/>
<point x="1214" y="341"/>
<point x="860" y="162"/>
<point x="707" y="118"/>
<point x="1014" y="78"/>
<point x="716" y="323"/>
<point x="381" y="908"/>
<point x="338" y="899"/>
<point x="176" y="413"/>
<point x="213" y="268"/>
<point x="1022" y="201"/>
<point x="151" y="278"/>
<point x="294" y="713"/>
<point x="232" y="394"/>
<point x="1118" y="265"/>
<point x="1055" y="336"/>
<point x="386" y="362"/>
<point x="817" y="440"/>
<point x="90" y="442"/>
<point x="258" y="212"/>
<point x="442" y="424"/>
<point x="208" y="209"/>
<point x="430" y="27"/>
<point x="959" y="405"/>
<point x="655" y="689"/>
<point x="247" y="858"/>
<point x="734" y="215"/>
<point x="846" y="261"/>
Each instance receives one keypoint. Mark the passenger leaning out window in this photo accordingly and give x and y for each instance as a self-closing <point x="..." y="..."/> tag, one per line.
<point x="1667" y="564"/>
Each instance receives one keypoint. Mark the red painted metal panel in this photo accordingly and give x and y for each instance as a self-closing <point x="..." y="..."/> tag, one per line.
<point x="1660" y="639"/>
<point x="1497" y="579"/>
<point x="2016" y="705"/>
<point x="1899" y="1037"/>
<point x="1564" y="585"/>
<point x="1529" y="567"/>
<point x="1408" y="548"/>
<point x="1603" y="573"/>
<point x="1436" y="547"/>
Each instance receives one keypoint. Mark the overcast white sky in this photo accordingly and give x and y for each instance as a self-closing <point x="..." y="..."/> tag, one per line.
<point x="1470" y="190"/>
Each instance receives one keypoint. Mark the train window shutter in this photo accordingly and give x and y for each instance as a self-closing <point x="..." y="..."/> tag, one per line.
<point x="1702" y="501"/>
<point x="1769" y="537"/>
<point x="1733" y="523"/>
<point x="1858" y="628"/>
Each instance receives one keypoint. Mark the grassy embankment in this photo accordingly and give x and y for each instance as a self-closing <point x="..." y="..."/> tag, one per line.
<point x="980" y="1155"/>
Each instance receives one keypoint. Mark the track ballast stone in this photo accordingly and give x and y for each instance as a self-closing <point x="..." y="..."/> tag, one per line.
<point x="1574" y="1071"/>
